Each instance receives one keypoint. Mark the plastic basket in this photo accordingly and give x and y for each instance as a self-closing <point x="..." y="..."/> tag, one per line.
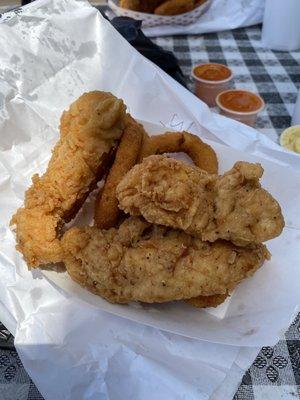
<point x="151" y="20"/>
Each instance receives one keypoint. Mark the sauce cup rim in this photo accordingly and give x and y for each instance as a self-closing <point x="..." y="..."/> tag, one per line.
<point x="222" y="107"/>
<point x="209" y="81"/>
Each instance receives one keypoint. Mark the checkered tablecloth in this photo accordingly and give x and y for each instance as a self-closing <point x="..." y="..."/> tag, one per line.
<point x="275" y="75"/>
<point x="275" y="374"/>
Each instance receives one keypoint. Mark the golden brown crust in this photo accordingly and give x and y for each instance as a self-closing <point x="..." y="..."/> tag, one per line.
<point x="88" y="132"/>
<point x="174" y="7"/>
<point x="200" y="152"/>
<point x="106" y="205"/>
<point x="207" y="301"/>
<point x="231" y="207"/>
<point x="199" y="3"/>
<point x="144" y="262"/>
<point x="146" y="6"/>
<point x="161" y="7"/>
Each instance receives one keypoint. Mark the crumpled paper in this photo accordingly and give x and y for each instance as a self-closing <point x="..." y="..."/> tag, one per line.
<point x="52" y="52"/>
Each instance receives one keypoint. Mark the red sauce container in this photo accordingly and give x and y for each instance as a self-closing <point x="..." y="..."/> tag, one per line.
<point x="240" y="105"/>
<point x="210" y="80"/>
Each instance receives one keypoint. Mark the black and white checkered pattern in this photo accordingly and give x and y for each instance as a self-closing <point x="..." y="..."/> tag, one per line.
<point x="275" y="75"/>
<point x="275" y="374"/>
<point x="15" y="383"/>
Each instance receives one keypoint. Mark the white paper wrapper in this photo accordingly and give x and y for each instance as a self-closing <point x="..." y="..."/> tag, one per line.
<point x="51" y="53"/>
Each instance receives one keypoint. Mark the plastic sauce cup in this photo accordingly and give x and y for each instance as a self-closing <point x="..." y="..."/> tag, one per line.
<point x="210" y="80"/>
<point x="240" y="105"/>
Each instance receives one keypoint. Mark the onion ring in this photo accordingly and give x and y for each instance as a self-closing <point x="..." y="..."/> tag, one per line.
<point x="202" y="154"/>
<point x="106" y="205"/>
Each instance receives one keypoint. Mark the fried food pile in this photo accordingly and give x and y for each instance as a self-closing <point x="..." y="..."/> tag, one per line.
<point x="163" y="230"/>
<point x="161" y="7"/>
<point x="149" y="263"/>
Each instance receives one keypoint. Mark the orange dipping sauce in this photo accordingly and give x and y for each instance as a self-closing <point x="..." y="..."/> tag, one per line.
<point x="240" y="101"/>
<point x="212" y="72"/>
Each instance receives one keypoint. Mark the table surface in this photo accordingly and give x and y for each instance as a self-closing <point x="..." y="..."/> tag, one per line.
<point x="275" y="75"/>
<point x="275" y="374"/>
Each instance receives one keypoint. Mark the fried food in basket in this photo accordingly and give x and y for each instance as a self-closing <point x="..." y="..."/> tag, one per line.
<point x="199" y="3"/>
<point x="201" y="153"/>
<point x="148" y="263"/>
<point x="161" y="7"/>
<point x="106" y="204"/>
<point x="201" y="234"/>
<point x="88" y="132"/>
<point x="174" y="7"/>
<point x="146" y="6"/>
<point x="231" y="207"/>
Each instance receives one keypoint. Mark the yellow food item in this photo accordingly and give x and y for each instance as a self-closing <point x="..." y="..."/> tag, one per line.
<point x="290" y="138"/>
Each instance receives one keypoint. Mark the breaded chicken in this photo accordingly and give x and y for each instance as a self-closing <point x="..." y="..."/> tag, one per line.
<point x="231" y="207"/>
<point x="89" y="130"/>
<point x="146" y="6"/>
<point x="174" y="7"/>
<point x="207" y="301"/>
<point x="142" y="262"/>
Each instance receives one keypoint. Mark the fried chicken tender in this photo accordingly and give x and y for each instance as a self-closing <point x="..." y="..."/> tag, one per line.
<point x="88" y="131"/>
<point x="231" y="207"/>
<point x="203" y="157"/>
<point x="148" y="263"/>
<point x="174" y="7"/>
<point x="146" y="6"/>
<point x="199" y="3"/>
<point x="161" y="7"/>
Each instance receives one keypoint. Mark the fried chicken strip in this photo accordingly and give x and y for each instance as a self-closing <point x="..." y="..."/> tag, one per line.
<point x="231" y="207"/>
<point x="142" y="262"/>
<point x="146" y="6"/>
<point x="174" y="7"/>
<point x="88" y="131"/>
<point x="199" y="3"/>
